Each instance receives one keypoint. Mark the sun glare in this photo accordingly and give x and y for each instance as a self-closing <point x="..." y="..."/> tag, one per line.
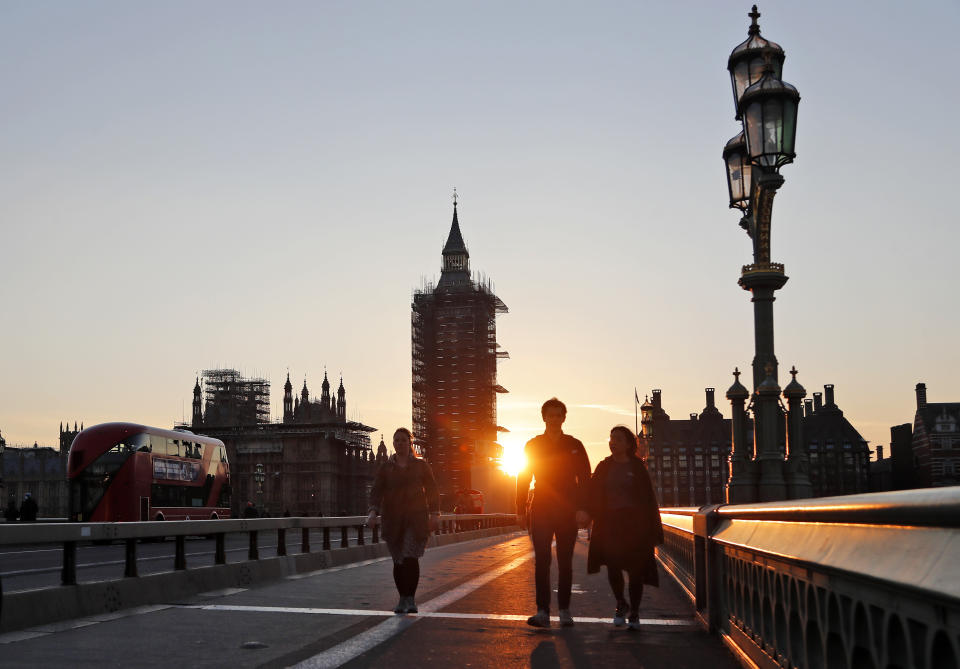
<point x="513" y="460"/>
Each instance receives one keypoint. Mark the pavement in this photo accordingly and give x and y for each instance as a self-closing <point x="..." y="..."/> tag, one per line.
<point x="474" y="598"/>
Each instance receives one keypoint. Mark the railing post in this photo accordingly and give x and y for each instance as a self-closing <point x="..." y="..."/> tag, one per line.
<point x="253" y="553"/>
<point x="360" y="538"/>
<point x="326" y="538"/>
<point x="130" y="559"/>
<point x="705" y="567"/>
<point x="220" y="551"/>
<point x="344" y="540"/>
<point x="180" y="553"/>
<point x="281" y="541"/>
<point x="376" y="534"/>
<point x="305" y="540"/>
<point x="69" y="574"/>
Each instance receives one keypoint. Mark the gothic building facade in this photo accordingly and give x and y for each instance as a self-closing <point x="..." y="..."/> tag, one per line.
<point x="454" y="361"/>
<point x="313" y="462"/>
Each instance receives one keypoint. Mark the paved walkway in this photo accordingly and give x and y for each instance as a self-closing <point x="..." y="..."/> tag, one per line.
<point x="474" y="599"/>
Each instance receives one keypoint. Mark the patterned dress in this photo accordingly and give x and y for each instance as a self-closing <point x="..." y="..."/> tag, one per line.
<point x="404" y="497"/>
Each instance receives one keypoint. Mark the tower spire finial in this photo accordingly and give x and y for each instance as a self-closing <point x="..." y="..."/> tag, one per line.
<point x="754" y="26"/>
<point x="455" y="197"/>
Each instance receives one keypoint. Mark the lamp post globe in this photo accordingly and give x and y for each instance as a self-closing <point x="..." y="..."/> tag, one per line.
<point x="769" y="110"/>
<point x="739" y="172"/>
<point x="747" y="60"/>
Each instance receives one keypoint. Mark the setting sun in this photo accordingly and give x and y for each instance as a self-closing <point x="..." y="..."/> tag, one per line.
<point x="513" y="459"/>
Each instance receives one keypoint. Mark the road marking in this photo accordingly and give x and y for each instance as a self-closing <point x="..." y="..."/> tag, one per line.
<point x="344" y="652"/>
<point x="660" y="622"/>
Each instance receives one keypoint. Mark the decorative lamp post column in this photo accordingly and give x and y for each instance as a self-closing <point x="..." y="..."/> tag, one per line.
<point x="259" y="476"/>
<point x="767" y="107"/>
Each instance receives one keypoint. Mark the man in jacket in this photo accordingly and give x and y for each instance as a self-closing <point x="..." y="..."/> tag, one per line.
<point x="561" y="468"/>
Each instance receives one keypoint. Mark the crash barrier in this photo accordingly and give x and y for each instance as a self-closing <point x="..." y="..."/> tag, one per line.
<point x="73" y="599"/>
<point x="856" y="581"/>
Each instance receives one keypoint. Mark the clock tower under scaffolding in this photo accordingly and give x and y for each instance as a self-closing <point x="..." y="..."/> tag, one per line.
<point x="455" y="387"/>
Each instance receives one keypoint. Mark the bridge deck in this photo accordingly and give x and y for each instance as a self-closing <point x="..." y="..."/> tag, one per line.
<point x="474" y="598"/>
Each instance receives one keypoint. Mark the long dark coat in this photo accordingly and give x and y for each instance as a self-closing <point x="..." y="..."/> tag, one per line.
<point x="606" y="527"/>
<point x="404" y="496"/>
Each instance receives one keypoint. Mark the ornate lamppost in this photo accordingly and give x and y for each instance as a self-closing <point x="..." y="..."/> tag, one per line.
<point x="767" y="107"/>
<point x="259" y="476"/>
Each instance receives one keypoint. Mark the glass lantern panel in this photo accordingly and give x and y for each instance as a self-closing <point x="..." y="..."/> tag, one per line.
<point x="789" y="126"/>
<point x="741" y="80"/>
<point x="772" y="132"/>
<point x="752" y="125"/>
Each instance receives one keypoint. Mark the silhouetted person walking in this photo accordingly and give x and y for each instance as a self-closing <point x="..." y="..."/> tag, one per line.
<point x="250" y="511"/>
<point x="28" y="509"/>
<point x="10" y="513"/>
<point x="405" y="493"/>
<point x="562" y="471"/>
<point x="626" y="524"/>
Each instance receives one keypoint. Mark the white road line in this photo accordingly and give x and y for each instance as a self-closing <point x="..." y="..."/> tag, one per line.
<point x="344" y="652"/>
<point x="660" y="622"/>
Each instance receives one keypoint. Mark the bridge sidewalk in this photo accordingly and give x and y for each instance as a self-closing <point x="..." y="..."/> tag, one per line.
<point x="474" y="599"/>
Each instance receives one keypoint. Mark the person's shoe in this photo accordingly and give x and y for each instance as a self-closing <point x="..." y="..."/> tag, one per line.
<point x="633" y="622"/>
<point x="541" y="619"/>
<point x="566" y="620"/>
<point x="411" y="605"/>
<point x="401" y="606"/>
<point x="620" y="616"/>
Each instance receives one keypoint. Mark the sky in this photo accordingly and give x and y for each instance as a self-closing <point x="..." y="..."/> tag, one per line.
<point x="261" y="186"/>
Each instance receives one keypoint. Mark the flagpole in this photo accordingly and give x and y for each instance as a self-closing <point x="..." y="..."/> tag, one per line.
<point x="636" y="401"/>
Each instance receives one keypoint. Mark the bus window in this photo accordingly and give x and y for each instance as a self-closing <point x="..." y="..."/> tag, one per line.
<point x="187" y="449"/>
<point x="173" y="447"/>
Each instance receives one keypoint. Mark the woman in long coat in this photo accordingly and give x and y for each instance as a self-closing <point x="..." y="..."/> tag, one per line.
<point x="405" y="495"/>
<point x="626" y="524"/>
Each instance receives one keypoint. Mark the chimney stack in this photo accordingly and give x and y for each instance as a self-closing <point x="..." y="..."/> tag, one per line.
<point x="693" y="417"/>
<point x="879" y="453"/>
<point x="828" y="391"/>
<point x="709" y="392"/>
<point x="817" y="401"/>
<point x="807" y="407"/>
<point x="656" y="398"/>
<point x="921" y="395"/>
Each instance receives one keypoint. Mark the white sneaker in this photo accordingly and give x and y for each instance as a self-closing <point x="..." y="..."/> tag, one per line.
<point x="541" y="619"/>
<point x="566" y="620"/>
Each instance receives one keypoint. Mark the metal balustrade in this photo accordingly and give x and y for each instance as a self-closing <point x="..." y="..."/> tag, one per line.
<point x="859" y="581"/>
<point x="70" y="535"/>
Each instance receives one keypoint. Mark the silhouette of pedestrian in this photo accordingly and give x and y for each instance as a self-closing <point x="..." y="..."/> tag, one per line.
<point x="11" y="513"/>
<point x="562" y="470"/>
<point x="28" y="509"/>
<point x="405" y="493"/>
<point x="250" y="511"/>
<point x="626" y="524"/>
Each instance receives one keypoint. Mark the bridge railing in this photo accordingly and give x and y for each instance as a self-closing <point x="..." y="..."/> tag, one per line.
<point x="348" y="533"/>
<point x="855" y="581"/>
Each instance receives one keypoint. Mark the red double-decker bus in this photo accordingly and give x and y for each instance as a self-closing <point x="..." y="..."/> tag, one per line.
<point x="126" y="472"/>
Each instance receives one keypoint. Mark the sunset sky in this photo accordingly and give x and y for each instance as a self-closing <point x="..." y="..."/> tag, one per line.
<point x="263" y="185"/>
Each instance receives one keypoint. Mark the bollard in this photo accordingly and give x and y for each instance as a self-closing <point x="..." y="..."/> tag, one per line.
<point x="219" y="552"/>
<point x="305" y="540"/>
<point x="253" y="553"/>
<point x="130" y="559"/>
<point x="281" y="541"/>
<point x="69" y="574"/>
<point x="180" y="556"/>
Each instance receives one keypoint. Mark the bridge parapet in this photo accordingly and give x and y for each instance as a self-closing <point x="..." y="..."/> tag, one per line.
<point x="855" y="581"/>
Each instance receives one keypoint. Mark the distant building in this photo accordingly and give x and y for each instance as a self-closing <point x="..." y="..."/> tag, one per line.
<point x="41" y="471"/>
<point x="454" y="354"/>
<point x="839" y="457"/>
<point x="935" y="442"/>
<point x="688" y="458"/>
<point x="314" y="461"/>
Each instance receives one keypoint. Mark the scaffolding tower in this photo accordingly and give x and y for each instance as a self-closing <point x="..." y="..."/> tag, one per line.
<point x="231" y="399"/>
